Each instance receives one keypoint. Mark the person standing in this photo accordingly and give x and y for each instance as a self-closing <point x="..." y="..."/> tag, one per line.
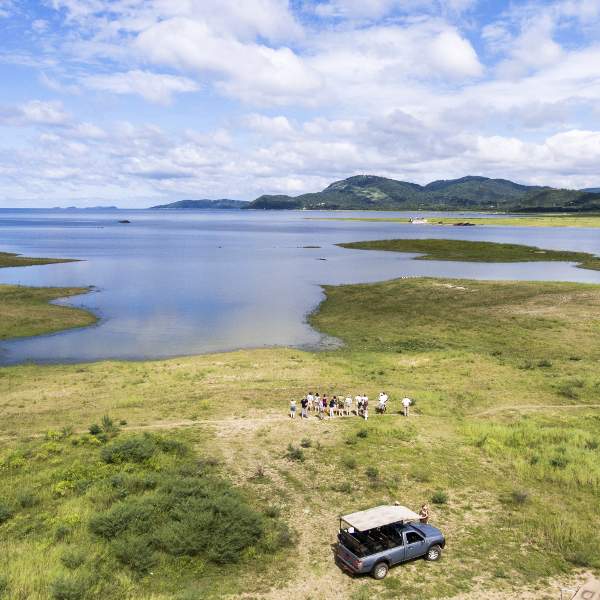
<point x="317" y="402"/>
<point x="292" y="409"/>
<point x="348" y="405"/>
<point x="332" y="404"/>
<point x="310" y="399"/>
<point x="424" y="514"/>
<point x="365" y="400"/>
<point x="406" y="402"/>
<point x="304" y="404"/>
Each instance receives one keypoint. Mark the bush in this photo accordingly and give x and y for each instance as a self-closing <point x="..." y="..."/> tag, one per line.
<point x="559" y="461"/>
<point x="27" y="499"/>
<point x="363" y="433"/>
<point x="135" y="552"/>
<point x="68" y="588"/>
<point x="272" y="512"/>
<point x="372" y="473"/>
<point x="3" y="585"/>
<point x="349" y="462"/>
<point x="544" y="364"/>
<point x="5" y="512"/>
<point x="439" y="497"/>
<point x="294" y="453"/>
<point x="73" y="558"/>
<point x="135" y="449"/>
<point x="344" y="488"/>
<point x="128" y="515"/>
<point x="108" y="426"/>
<point x="519" y="496"/>
<point x="95" y="429"/>
<point x="305" y="443"/>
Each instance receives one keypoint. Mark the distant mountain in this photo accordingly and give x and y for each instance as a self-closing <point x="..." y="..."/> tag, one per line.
<point x="223" y="203"/>
<point x="369" y="192"/>
<point x="592" y="190"/>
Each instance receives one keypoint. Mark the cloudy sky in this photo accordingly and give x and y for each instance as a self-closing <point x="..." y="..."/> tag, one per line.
<point x="130" y="102"/>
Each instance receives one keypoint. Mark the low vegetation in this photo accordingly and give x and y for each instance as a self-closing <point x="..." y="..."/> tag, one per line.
<point x="463" y="250"/>
<point x="25" y="311"/>
<point x="112" y="474"/>
<point x="538" y="220"/>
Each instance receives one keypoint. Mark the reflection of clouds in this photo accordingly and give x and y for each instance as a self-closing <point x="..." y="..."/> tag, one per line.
<point x="202" y="282"/>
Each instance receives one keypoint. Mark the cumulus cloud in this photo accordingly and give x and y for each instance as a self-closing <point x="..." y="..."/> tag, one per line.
<point x="34" y="112"/>
<point x="155" y="87"/>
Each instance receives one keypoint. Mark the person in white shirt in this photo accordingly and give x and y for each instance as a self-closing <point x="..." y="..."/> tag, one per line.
<point x="292" y="408"/>
<point x="358" y="405"/>
<point x="383" y="398"/>
<point x="406" y="402"/>
<point x="310" y="398"/>
<point x="348" y="406"/>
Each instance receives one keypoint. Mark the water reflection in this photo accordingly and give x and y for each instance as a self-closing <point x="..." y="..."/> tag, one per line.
<point x="185" y="283"/>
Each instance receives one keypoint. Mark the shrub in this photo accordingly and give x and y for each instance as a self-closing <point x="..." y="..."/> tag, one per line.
<point x="439" y="497"/>
<point x="95" y="429"/>
<point x="349" y="462"/>
<point x="519" y="496"/>
<point x="62" y="532"/>
<point x="306" y="443"/>
<point x="27" y="499"/>
<point x="559" y="461"/>
<point x="363" y="433"/>
<point x="591" y="444"/>
<point x="135" y="552"/>
<point x="345" y="487"/>
<point x="544" y="364"/>
<point x="127" y="515"/>
<point x="134" y="449"/>
<point x="3" y="585"/>
<point x="122" y="422"/>
<point x="68" y="588"/>
<point x="5" y="512"/>
<point x="294" y="453"/>
<point x="73" y="558"/>
<point x="108" y="425"/>
<point x="272" y="512"/>
<point x="372" y="473"/>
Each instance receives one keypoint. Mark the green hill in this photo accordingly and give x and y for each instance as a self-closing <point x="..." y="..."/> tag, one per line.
<point x="369" y="192"/>
<point x="203" y="204"/>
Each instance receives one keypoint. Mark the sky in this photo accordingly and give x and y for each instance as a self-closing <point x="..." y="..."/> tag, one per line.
<point x="135" y="102"/>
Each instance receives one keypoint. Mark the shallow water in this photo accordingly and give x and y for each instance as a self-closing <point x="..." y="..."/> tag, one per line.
<point x="190" y="282"/>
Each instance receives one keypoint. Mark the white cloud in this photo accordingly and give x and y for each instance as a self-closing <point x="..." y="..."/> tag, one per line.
<point x="34" y="112"/>
<point x="154" y="87"/>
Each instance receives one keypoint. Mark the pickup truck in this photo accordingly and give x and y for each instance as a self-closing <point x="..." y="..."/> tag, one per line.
<point x="371" y="541"/>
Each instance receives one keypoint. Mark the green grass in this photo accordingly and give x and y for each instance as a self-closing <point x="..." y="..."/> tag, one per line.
<point x="505" y="438"/>
<point x="463" y="250"/>
<point x="8" y="259"/>
<point x="25" y="311"/>
<point x="541" y="220"/>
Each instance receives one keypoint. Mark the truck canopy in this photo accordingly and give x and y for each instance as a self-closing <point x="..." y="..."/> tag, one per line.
<point x="379" y="517"/>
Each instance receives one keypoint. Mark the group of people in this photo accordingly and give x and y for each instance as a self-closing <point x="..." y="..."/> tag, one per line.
<point x="323" y="406"/>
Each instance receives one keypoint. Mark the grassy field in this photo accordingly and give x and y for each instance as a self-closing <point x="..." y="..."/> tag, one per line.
<point x="542" y="220"/>
<point x="463" y="250"/>
<point x="505" y="438"/>
<point x="25" y="311"/>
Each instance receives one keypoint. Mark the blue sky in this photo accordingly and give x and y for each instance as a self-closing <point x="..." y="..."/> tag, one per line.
<point x="131" y="102"/>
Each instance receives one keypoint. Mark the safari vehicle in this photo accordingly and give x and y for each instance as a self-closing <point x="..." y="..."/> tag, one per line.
<point x="371" y="541"/>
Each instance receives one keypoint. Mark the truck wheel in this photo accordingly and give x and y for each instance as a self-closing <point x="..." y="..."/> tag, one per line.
<point x="434" y="553"/>
<point x="380" y="570"/>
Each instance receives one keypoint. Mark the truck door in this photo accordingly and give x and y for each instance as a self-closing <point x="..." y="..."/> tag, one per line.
<point x="395" y="551"/>
<point x="414" y="545"/>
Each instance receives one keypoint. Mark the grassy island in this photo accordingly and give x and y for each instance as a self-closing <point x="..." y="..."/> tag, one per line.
<point x="26" y="311"/>
<point x="463" y="250"/>
<point x="541" y="220"/>
<point x="116" y="478"/>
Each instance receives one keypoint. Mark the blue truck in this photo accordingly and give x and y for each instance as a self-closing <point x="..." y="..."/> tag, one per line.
<point x="372" y="541"/>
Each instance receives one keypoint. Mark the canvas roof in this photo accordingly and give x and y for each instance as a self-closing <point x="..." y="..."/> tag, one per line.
<point x="379" y="516"/>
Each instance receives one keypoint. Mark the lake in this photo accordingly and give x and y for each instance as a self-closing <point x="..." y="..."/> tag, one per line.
<point x="175" y="283"/>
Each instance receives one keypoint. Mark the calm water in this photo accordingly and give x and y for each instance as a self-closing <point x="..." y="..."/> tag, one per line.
<point x="189" y="282"/>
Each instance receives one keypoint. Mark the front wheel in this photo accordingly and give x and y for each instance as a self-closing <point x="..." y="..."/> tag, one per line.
<point x="434" y="553"/>
<point x="380" y="570"/>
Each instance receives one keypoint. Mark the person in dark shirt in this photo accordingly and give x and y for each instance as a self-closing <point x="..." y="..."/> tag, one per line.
<point x="304" y="404"/>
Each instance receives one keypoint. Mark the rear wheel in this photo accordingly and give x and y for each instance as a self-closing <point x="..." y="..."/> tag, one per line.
<point x="380" y="570"/>
<point x="434" y="553"/>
